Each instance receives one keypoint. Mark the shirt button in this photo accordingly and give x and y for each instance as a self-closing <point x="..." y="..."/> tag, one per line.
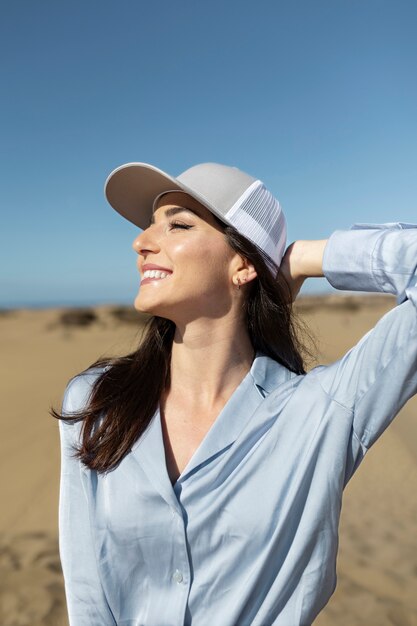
<point x="177" y="576"/>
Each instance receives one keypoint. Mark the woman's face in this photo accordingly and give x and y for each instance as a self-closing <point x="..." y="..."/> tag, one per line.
<point x="185" y="239"/>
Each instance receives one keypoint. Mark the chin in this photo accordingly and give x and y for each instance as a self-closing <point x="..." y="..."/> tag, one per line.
<point x="139" y="306"/>
<point x="150" y="308"/>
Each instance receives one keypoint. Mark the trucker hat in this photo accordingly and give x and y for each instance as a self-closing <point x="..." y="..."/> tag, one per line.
<point x="235" y="197"/>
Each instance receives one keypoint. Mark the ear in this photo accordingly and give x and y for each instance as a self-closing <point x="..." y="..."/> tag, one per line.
<point x="243" y="269"/>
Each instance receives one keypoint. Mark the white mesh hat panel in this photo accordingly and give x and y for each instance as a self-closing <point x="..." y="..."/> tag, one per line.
<point x="259" y="217"/>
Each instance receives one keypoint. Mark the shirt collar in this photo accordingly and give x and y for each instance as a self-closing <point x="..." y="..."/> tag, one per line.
<point x="268" y="374"/>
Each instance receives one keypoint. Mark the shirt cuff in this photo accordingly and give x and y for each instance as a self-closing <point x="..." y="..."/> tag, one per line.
<point x="348" y="259"/>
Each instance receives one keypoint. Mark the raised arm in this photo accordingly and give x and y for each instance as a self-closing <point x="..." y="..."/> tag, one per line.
<point x="376" y="377"/>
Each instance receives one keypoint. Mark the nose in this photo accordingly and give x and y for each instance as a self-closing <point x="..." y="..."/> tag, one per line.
<point x="144" y="243"/>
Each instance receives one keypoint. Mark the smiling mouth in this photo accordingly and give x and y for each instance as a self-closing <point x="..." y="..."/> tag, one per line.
<point x="155" y="275"/>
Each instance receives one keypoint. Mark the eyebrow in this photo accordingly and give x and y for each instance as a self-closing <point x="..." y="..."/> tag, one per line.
<point x="173" y="211"/>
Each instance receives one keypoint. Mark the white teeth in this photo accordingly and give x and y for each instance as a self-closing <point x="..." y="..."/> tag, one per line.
<point x="154" y="274"/>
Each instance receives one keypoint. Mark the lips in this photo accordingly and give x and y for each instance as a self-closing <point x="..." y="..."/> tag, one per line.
<point x="152" y="266"/>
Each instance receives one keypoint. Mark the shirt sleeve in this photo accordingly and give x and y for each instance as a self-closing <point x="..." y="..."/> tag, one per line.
<point x="376" y="377"/>
<point x="86" y="602"/>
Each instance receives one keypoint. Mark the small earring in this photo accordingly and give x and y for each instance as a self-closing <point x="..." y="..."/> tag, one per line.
<point x="237" y="282"/>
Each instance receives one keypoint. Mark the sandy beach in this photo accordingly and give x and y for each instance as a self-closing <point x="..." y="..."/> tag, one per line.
<point x="42" y="349"/>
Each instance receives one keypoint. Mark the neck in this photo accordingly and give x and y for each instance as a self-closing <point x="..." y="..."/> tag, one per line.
<point x="209" y="360"/>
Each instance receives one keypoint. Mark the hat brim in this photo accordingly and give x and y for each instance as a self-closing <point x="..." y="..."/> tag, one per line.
<point x="131" y="190"/>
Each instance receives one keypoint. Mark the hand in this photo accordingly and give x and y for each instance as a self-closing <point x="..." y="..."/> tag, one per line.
<point x="302" y="259"/>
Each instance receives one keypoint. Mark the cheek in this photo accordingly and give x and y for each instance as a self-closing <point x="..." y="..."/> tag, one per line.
<point x="216" y="273"/>
<point x="203" y="261"/>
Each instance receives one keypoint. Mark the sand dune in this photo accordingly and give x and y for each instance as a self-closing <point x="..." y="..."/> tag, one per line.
<point x="42" y="349"/>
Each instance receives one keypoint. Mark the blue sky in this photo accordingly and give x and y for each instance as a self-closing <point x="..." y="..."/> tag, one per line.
<point x="317" y="98"/>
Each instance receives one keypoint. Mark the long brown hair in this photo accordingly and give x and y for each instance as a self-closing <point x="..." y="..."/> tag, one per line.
<point x="115" y="396"/>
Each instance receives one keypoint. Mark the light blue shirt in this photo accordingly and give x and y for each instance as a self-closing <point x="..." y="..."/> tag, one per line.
<point x="248" y="534"/>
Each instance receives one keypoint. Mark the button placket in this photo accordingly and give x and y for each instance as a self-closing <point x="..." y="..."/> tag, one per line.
<point x="181" y="570"/>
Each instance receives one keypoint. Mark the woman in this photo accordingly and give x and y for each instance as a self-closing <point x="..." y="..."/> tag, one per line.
<point x="208" y="481"/>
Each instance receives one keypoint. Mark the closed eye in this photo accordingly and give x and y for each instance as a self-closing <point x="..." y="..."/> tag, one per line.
<point x="179" y="225"/>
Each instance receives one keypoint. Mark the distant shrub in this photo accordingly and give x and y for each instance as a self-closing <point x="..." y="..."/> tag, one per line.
<point x="309" y="303"/>
<point x="128" y="315"/>
<point x="353" y="303"/>
<point x="342" y="302"/>
<point x="77" y="317"/>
